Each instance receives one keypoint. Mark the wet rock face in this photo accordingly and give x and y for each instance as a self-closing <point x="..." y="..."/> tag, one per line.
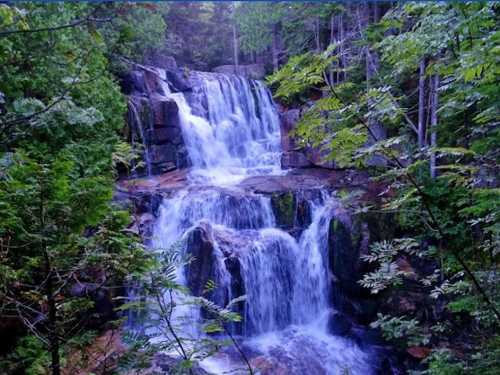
<point x="288" y="120"/>
<point x="154" y="121"/>
<point x="294" y="159"/>
<point x="348" y="241"/>
<point x="283" y="205"/>
<point x="338" y="324"/>
<point x="344" y="255"/>
<point x="237" y="286"/>
<point x="178" y="80"/>
<point x="292" y="209"/>
<point x="202" y="268"/>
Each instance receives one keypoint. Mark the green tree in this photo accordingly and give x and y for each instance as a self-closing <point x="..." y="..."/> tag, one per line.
<point x="60" y="122"/>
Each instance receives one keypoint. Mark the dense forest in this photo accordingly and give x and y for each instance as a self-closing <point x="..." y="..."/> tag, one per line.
<point x="397" y="103"/>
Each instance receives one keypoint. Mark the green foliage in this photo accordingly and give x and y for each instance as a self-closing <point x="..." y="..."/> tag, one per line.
<point x="452" y="219"/>
<point x="300" y="74"/>
<point x="294" y="21"/>
<point x="29" y="356"/>
<point x="60" y="121"/>
<point x="200" y="33"/>
<point x="384" y="254"/>
<point x="401" y="329"/>
<point x="167" y="320"/>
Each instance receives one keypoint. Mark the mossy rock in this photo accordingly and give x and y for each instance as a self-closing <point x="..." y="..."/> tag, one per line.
<point x="283" y="205"/>
<point x="343" y="255"/>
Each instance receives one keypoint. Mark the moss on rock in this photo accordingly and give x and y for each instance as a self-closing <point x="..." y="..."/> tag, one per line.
<point x="283" y="205"/>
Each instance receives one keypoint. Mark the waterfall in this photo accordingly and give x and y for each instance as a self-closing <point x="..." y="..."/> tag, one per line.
<point x="135" y="121"/>
<point x="231" y="130"/>
<point x="240" y="135"/>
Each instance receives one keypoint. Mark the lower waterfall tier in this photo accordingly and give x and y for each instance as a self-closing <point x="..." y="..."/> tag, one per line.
<point x="287" y="244"/>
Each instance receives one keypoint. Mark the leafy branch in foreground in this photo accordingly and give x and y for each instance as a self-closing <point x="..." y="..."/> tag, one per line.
<point x="186" y="328"/>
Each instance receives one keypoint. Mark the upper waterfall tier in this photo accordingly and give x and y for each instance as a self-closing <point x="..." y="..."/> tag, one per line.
<point x="239" y="133"/>
<point x="229" y="124"/>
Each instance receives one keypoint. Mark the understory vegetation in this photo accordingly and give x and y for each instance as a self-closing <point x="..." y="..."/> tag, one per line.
<point x="408" y="92"/>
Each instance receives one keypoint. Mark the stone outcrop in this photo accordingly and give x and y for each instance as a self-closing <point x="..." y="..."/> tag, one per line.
<point x="202" y="267"/>
<point x="294" y="154"/>
<point x="348" y="239"/>
<point x="154" y="123"/>
<point x="251" y="71"/>
<point x="294" y="159"/>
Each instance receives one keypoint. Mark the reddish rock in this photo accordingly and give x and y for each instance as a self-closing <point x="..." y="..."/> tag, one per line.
<point x="405" y="266"/>
<point x="419" y="352"/>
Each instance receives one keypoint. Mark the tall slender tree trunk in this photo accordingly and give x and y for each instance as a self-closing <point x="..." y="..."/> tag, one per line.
<point x="275" y="48"/>
<point x="372" y="67"/>
<point x="52" y="335"/>
<point x="52" y="327"/>
<point x="343" y="59"/>
<point x="332" y="40"/>
<point x="317" y="35"/>
<point x="235" y="46"/>
<point x="421" y="104"/>
<point x="434" y="122"/>
<point x="376" y="12"/>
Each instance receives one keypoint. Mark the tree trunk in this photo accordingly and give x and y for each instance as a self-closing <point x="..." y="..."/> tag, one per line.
<point x="372" y="66"/>
<point x="421" y="105"/>
<point x="235" y="46"/>
<point x="52" y="336"/>
<point x="376" y="12"/>
<point x="275" y="48"/>
<point x="434" y="122"/>
<point x="332" y="40"/>
<point x="343" y="59"/>
<point x="316" y="35"/>
<point x="52" y="328"/>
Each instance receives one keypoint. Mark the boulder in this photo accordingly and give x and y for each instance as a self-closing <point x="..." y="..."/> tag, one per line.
<point x="202" y="267"/>
<point x="319" y="157"/>
<point x="179" y="80"/>
<point x="168" y="134"/>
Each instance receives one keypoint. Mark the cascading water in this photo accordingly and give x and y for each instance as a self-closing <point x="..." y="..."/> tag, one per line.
<point x="285" y="278"/>
<point x="135" y="121"/>
<point x="238" y="137"/>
